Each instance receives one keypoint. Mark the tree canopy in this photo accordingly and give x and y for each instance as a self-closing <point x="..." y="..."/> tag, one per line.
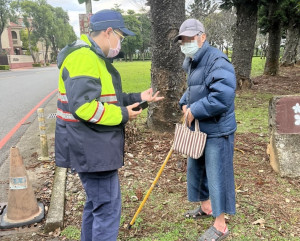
<point x="6" y="14"/>
<point x="44" y="23"/>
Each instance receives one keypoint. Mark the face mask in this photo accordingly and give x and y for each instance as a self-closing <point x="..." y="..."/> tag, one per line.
<point x="189" y="49"/>
<point x="114" y="52"/>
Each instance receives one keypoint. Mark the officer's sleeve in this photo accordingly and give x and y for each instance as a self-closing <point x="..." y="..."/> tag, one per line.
<point x="129" y="99"/>
<point x="221" y="84"/>
<point x="83" y="88"/>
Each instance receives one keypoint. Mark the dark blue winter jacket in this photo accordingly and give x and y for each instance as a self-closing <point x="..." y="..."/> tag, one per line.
<point x="211" y="91"/>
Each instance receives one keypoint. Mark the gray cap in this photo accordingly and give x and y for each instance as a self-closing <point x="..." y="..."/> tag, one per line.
<point x="190" y="27"/>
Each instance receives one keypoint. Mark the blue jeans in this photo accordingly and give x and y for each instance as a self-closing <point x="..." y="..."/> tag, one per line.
<point x="102" y="210"/>
<point x="211" y="176"/>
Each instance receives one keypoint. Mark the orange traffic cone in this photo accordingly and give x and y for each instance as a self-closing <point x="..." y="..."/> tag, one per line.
<point x="22" y="208"/>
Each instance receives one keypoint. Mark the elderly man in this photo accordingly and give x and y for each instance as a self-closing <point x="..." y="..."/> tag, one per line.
<point x="210" y="99"/>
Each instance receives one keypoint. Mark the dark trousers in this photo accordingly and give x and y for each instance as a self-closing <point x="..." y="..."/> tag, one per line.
<point x="102" y="210"/>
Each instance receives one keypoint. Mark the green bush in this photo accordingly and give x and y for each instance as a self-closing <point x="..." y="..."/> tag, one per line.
<point x="47" y="64"/>
<point x="37" y="65"/>
<point x="4" y="67"/>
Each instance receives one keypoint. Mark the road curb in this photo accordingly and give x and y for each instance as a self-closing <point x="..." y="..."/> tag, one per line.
<point x="55" y="217"/>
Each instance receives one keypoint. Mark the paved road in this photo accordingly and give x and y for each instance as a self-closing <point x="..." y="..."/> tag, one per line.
<point x="20" y="91"/>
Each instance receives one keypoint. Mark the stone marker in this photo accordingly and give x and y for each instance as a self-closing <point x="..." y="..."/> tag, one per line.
<point x="284" y="130"/>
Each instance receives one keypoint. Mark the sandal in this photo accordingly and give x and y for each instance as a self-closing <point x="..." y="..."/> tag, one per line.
<point x="197" y="213"/>
<point x="212" y="234"/>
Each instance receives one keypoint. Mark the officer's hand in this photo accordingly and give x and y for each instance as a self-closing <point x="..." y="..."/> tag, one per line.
<point x="148" y="96"/>
<point x="131" y="113"/>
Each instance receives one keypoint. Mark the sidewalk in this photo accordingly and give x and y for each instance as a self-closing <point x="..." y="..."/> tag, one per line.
<point x="40" y="173"/>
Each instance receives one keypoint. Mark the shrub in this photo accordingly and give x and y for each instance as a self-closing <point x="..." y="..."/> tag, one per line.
<point x="4" y="67"/>
<point x="37" y="65"/>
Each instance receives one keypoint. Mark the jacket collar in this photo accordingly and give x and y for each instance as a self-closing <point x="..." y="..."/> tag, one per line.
<point x="197" y="57"/>
<point x="199" y="54"/>
<point x="92" y="45"/>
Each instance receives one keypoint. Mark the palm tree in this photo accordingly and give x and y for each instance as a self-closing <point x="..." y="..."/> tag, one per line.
<point x="88" y="5"/>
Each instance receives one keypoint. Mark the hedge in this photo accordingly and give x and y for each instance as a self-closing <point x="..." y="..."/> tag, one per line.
<point x="4" y="67"/>
<point x="36" y="65"/>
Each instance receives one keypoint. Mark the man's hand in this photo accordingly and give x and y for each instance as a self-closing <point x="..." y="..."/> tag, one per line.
<point x="189" y="117"/>
<point x="148" y="96"/>
<point x="131" y="113"/>
<point x="184" y="108"/>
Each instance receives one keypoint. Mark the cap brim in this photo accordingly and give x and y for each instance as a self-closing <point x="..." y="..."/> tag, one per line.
<point x="127" y="32"/>
<point x="188" y="33"/>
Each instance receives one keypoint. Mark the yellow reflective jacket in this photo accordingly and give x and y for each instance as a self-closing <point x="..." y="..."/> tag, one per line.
<point x="91" y="105"/>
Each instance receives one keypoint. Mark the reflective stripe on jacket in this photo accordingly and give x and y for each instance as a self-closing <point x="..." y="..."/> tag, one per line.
<point x="92" y="105"/>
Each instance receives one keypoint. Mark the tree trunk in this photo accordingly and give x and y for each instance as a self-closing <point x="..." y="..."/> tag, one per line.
<point x="167" y="75"/>
<point x="273" y="53"/>
<point x="1" y="31"/>
<point x="292" y="40"/>
<point x="0" y="45"/>
<point x="54" y="48"/>
<point x="227" y="50"/>
<point x="88" y="6"/>
<point x="30" y="47"/>
<point x="244" y="42"/>
<point x="298" y="53"/>
<point x="46" y="54"/>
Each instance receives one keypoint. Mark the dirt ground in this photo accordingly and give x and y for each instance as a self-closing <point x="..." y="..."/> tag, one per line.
<point x="260" y="191"/>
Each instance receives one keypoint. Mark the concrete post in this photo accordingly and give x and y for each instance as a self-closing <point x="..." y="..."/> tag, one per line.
<point x="284" y="130"/>
<point x="43" y="136"/>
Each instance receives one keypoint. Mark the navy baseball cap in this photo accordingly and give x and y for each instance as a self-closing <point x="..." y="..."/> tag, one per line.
<point x="104" y="19"/>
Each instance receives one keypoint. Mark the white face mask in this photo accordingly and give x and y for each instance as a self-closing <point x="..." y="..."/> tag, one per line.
<point x="114" y="52"/>
<point x="190" y="48"/>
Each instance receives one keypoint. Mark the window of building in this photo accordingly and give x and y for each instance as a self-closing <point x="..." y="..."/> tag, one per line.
<point x="14" y="35"/>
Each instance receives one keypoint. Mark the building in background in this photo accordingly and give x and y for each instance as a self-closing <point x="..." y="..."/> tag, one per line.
<point x="12" y="44"/>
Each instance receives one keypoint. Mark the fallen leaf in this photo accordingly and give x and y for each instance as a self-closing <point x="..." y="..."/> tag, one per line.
<point x="260" y="221"/>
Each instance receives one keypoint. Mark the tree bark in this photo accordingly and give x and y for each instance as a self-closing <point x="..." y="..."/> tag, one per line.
<point x="0" y="44"/>
<point x="298" y="53"/>
<point x="54" y="48"/>
<point x="88" y="6"/>
<point x="291" y="44"/>
<point x="167" y="75"/>
<point x="2" y="25"/>
<point x="30" y="47"/>
<point x="273" y="53"/>
<point x="46" y="54"/>
<point x="244" y="42"/>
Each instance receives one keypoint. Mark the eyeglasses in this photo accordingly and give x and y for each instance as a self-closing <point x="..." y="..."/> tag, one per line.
<point x="121" y="36"/>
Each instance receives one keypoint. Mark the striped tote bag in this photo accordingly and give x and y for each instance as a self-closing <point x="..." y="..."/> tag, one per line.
<point x="189" y="142"/>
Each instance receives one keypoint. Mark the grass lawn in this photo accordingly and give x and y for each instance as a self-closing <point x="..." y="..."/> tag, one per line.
<point x="136" y="76"/>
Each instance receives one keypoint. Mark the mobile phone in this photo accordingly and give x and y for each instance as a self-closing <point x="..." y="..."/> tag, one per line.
<point x="142" y="105"/>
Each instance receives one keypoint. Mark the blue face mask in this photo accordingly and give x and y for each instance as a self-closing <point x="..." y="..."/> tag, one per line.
<point x="190" y="48"/>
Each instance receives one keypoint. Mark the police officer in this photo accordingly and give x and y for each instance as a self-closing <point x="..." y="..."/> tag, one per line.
<point x="91" y="113"/>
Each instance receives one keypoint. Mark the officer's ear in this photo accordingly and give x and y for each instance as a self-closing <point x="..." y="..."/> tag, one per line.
<point x="108" y="31"/>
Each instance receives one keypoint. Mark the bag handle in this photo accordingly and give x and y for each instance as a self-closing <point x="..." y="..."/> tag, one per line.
<point x="197" y="128"/>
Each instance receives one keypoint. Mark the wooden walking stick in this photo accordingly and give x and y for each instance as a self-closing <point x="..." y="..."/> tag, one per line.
<point x="151" y="188"/>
